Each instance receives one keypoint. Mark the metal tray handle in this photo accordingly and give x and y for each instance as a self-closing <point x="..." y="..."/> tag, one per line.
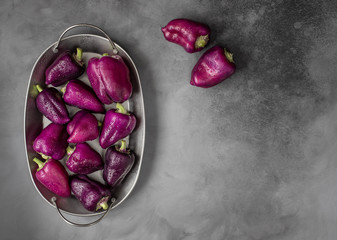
<point x="53" y="200"/>
<point x="114" y="49"/>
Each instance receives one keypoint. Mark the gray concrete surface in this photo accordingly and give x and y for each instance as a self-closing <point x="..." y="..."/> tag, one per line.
<point x="254" y="157"/>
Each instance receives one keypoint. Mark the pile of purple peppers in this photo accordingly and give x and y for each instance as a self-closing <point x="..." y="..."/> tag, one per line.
<point x="214" y="66"/>
<point x="67" y="135"/>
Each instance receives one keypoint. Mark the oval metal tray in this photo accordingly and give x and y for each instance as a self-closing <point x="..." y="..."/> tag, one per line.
<point x="34" y="122"/>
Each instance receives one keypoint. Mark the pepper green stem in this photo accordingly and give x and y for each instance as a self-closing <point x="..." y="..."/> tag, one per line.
<point x="120" y="109"/>
<point x="63" y="90"/>
<point x="44" y="156"/>
<point x="229" y="55"/>
<point x="33" y="92"/>
<point x="105" y="54"/>
<point x="99" y="123"/>
<point x="122" y="148"/>
<point x="123" y="145"/>
<point x="39" y="88"/>
<point x="201" y="41"/>
<point x="79" y="54"/>
<point x="103" y="203"/>
<point x="39" y="163"/>
<point x="70" y="150"/>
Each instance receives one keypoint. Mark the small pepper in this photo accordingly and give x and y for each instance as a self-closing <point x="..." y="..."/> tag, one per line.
<point x="118" y="163"/>
<point x="53" y="176"/>
<point x="49" y="102"/>
<point x="213" y="67"/>
<point x="110" y="78"/>
<point x="83" y="127"/>
<point x="67" y="66"/>
<point x="77" y="93"/>
<point x="117" y="124"/>
<point x="192" y="36"/>
<point x="83" y="159"/>
<point x="52" y="142"/>
<point x="92" y="194"/>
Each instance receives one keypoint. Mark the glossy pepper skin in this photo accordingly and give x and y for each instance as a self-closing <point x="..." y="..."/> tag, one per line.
<point x="93" y="195"/>
<point x="66" y="66"/>
<point x="83" y="159"/>
<point x="49" y="102"/>
<point x="192" y="36"/>
<point x="83" y="127"/>
<point x="52" y="142"/>
<point x="77" y="93"/>
<point x="109" y="76"/>
<point x="118" y="163"/>
<point x="214" y="66"/>
<point x="53" y="176"/>
<point x="117" y="124"/>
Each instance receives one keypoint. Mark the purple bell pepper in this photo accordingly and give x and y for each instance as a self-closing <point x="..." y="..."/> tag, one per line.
<point x="77" y="93"/>
<point x="53" y="176"/>
<point x="83" y="127"/>
<point x="83" y="159"/>
<point x="213" y="67"/>
<point x="49" y="102"/>
<point x="118" y="163"/>
<point x="93" y="195"/>
<point x="110" y="78"/>
<point x="52" y="142"/>
<point x="192" y="36"/>
<point x="117" y="124"/>
<point x="67" y="66"/>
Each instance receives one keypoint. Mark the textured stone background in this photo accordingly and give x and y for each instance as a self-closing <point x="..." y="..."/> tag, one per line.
<point x="251" y="158"/>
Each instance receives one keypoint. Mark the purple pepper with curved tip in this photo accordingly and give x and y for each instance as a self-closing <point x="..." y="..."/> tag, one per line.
<point x="53" y="176"/>
<point x="118" y="163"/>
<point x="110" y="78"/>
<point x="65" y="67"/>
<point x="92" y="194"/>
<point x="83" y="159"/>
<point x="77" y="93"/>
<point x="52" y="142"/>
<point x="213" y="67"/>
<point x="49" y="103"/>
<point x="117" y="124"/>
<point x="83" y="127"/>
<point x="192" y="36"/>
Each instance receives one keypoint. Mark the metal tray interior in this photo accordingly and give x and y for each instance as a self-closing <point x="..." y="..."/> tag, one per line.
<point x="92" y="45"/>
